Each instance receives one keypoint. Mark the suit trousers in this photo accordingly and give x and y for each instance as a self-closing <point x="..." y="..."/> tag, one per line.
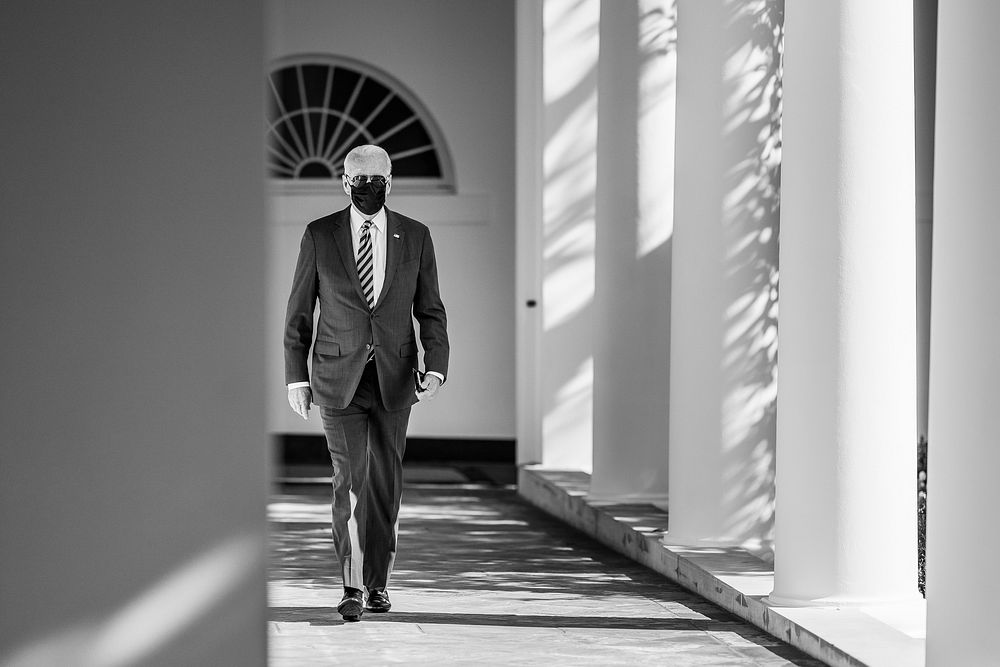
<point x="366" y="444"/>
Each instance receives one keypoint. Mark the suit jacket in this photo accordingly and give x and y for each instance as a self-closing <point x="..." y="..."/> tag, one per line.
<point x="326" y="272"/>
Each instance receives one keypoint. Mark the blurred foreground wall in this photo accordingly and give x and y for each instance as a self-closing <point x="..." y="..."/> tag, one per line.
<point x="132" y="460"/>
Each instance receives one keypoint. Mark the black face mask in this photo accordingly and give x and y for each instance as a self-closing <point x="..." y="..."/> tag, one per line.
<point x="368" y="197"/>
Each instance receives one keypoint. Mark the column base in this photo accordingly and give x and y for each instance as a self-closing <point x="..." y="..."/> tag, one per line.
<point x="762" y="549"/>
<point x="835" y="602"/>
<point x="659" y="500"/>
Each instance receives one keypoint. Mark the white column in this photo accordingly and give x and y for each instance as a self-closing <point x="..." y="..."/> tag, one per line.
<point x="724" y="326"/>
<point x="963" y="494"/>
<point x="557" y="135"/>
<point x="634" y="225"/>
<point x="845" y="530"/>
<point x="133" y="469"/>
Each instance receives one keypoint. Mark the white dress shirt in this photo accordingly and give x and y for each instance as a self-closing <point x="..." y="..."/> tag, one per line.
<point x="378" y="233"/>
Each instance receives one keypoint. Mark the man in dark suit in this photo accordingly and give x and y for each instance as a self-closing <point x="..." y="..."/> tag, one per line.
<point x="372" y="271"/>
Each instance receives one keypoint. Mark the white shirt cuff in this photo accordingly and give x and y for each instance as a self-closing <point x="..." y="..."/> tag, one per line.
<point x="296" y="385"/>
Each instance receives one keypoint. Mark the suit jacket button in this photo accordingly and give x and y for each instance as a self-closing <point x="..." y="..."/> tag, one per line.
<point x="368" y="346"/>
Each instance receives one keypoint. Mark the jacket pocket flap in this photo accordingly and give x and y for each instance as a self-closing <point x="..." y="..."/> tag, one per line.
<point x="327" y="347"/>
<point x="408" y="350"/>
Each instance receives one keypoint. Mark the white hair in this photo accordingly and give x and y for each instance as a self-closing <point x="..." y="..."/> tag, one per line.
<point x="367" y="158"/>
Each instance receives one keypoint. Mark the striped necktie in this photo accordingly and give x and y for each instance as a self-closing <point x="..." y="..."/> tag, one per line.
<point x="366" y="264"/>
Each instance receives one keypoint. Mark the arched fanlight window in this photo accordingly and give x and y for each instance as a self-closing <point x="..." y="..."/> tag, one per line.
<point x="320" y="107"/>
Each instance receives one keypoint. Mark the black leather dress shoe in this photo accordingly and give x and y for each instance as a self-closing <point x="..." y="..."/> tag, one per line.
<point x="378" y="602"/>
<point x="352" y="605"/>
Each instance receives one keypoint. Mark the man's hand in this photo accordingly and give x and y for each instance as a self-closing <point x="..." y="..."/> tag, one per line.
<point x="430" y="386"/>
<point x="300" y="398"/>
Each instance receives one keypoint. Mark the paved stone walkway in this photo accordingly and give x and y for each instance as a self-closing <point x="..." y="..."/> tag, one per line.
<point x="485" y="579"/>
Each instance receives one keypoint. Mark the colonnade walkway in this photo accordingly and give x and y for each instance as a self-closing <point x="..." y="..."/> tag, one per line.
<point x="483" y="578"/>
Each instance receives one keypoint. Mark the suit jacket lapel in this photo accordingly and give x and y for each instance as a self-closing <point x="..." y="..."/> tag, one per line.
<point x="345" y="245"/>
<point x="393" y="251"/>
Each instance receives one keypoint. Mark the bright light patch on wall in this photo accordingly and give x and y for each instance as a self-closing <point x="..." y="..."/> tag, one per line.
<point x="568" y="421"/>
<point x="571" y="26"/>
<point x="568" y="287"/>
<point x="570" y="231"/>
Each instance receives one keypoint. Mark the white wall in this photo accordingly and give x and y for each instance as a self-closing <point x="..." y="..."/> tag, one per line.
<point x="457" y="56"/>
<point x="963" y="457"/>
<point x="133" y="462"/>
